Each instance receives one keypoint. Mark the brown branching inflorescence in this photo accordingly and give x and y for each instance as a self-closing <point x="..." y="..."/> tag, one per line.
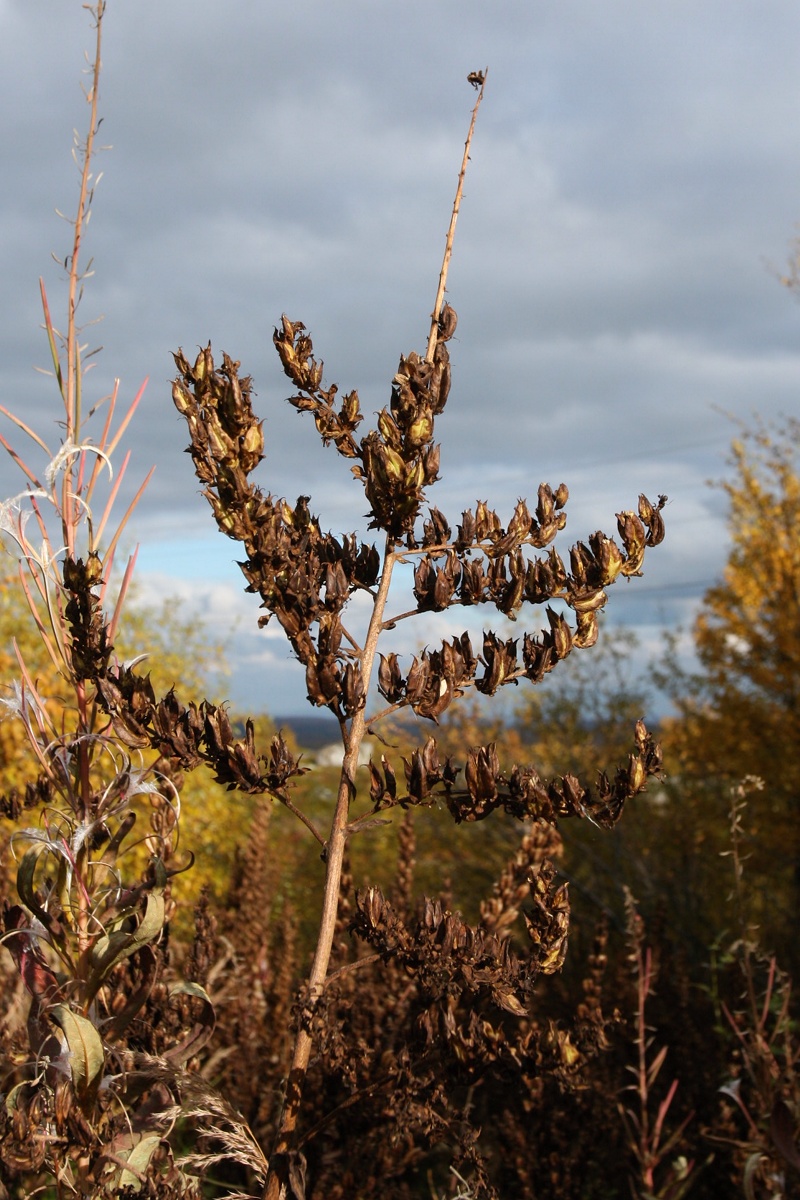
<point x="306" y="579"/>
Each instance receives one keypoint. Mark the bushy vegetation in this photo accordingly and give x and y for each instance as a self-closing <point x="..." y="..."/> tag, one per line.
<point x="228" y="974"/>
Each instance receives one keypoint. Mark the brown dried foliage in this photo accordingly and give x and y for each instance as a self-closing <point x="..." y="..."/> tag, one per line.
<point x="306" y="578"/>
<point x="385" y="1057"/>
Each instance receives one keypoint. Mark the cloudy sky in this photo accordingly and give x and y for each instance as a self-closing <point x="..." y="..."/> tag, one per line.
<point x="633" y="189"/>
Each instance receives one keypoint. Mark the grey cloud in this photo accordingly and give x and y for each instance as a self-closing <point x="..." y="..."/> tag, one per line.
<point x="634" y="167"/>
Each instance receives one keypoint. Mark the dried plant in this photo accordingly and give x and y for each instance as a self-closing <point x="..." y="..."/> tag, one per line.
<point x="661" y="1173"/>
<point x="307" y="578"/>
<point x="764" y="1089"/>
<point x="93" y="1008"/>
<point x="402" y="1035"/>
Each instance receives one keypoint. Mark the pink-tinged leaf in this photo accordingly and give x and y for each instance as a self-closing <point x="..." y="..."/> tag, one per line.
<point x="123" y="590"/>
<point x="105" y="453"/>
<point x="26" y="683"/>
<point x="633" y="1118"/>
<point x="768" y="995"/>
<point x="127" y="418"/>
<point x="732" y="1022"/>
<point x="98" y="533"/>
<point x="112" y="403"/>
<point x="129" y="511"/>
<point x="32" y="434"/>
<point x="655" y="1066"/>
<point x="675" y="1137"/>
<point x="35" y="973"/>
<point x="26" y="676"/>
<point x="34" y="611"/>
<point x="16" y="457"/>
<point x="663" y="1109"/>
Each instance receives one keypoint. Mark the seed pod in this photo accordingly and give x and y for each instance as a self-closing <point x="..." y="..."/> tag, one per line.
<point x="390" y="679"/>
<point x="632" y="533"/>
<point x="560" y="634"/>
<point x="466" y="531"/>
<point x="447" y="323"/>
<point x="636" y="775"/>
<point x="481" y="776"/>
<point x="651" y="515"/>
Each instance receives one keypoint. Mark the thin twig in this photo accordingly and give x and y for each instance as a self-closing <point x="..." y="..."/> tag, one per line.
<point x="301" y="816"/>
<point x="348" y="968"/>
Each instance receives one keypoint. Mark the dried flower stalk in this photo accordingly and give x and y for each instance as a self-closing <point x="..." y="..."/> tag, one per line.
<point x="306" y="579"/>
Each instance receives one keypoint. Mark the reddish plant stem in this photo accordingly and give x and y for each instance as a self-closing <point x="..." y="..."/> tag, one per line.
<point x="72" y="397"/>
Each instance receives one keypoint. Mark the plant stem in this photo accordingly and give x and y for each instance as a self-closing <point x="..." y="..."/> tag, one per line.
<point x="643" y="983"/>
<point x="73" y="373"/>
<point x="335" y="847"/>
<point x="451" y="232"/>
<point x="301" y="816"/>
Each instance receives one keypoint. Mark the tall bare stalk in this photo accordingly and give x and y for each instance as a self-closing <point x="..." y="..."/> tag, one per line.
<point x="477" y="79"/>
<point x="353" y="736"/>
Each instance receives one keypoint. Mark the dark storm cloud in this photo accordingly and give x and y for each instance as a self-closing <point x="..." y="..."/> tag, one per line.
<point x="633" y="169"/>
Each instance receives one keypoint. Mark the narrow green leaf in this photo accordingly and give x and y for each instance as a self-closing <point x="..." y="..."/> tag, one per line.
<point x="25" y="874"/>
<point x="139" y="1159"/>
<point x="145" y="971"/>
<point x="119" y="944"/>
<point x="85" y="1049"/>
<point x="51" y="338"/>
<point x="26" y="890"/>
<point x="11" y="1098"/>
<point x="202" y="1029"/>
